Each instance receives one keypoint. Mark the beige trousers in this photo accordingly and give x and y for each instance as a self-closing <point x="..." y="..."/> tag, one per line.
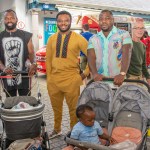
<point x="59" y="92"/>
<point x="133" y="77"/>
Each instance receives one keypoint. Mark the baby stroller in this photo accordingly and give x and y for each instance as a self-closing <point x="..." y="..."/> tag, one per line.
<point x="21" y="124"/>
<point x="130" y="113"/>
<point x="109" y="106"/>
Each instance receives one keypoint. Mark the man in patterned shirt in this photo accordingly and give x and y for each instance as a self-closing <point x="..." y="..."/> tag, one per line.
<point x="109" y="51"/>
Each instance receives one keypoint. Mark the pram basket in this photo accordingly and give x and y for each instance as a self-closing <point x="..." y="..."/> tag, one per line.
<point x="27" y="123"/>
<point x="24" y="123"/>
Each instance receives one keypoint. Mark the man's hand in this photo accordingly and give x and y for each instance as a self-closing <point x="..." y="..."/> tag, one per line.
<point x="32" y="69"/>
<point x="118" y="79"/>
<point x="8" y="70"/>
<point x="98" y="77"/>
<point x="148" y="81"/>
<point x="82" y="76"/>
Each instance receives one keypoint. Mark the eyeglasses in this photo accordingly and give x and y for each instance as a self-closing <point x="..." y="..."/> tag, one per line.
<point x="137" y="28"/>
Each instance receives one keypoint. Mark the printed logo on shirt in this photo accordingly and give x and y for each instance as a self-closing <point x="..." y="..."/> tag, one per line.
<point x="13" y="54"/>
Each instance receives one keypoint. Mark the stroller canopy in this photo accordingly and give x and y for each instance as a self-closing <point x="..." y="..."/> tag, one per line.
<point x="131" y="98"/>
<point x="98" y="95"/>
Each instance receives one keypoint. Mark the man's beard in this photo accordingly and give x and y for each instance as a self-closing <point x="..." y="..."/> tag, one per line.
<point x="105" y="30"/>
<point x="108" y="29"/>
<point x="11" y="27"/>
<point x="67" y="29"/>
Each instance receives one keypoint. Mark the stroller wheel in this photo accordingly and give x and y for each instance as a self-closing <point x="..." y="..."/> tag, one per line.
<point x="46" y="142"/>
<point x="0" y="142"/>
<point x="3" y="144"/>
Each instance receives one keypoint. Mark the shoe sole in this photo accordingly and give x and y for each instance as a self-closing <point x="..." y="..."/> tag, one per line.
<point x="59" y="134"/>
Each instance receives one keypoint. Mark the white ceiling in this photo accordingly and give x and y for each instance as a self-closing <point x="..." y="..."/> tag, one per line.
<point x="133" y="6"/>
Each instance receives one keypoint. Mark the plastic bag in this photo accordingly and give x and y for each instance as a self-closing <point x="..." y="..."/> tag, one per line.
<point x="22" y="105"/>
<point x="126" y="145"/>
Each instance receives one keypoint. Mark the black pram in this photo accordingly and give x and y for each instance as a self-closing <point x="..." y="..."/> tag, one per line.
<point x="23" y="123"/>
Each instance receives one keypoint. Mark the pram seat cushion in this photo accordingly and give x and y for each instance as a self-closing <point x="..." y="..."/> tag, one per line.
<point x="121" y="134"/>
<point x="12" y="101"/>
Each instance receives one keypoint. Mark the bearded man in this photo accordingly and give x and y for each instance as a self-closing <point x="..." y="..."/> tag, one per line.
<point x="16" y="49"/>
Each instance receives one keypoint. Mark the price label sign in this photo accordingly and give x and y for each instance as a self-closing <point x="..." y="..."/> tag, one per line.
<point x="20" y="25"/>
<point x="49" y="28"/>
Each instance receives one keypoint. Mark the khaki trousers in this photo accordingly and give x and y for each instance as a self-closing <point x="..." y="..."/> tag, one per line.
<point x="57" y="95"/>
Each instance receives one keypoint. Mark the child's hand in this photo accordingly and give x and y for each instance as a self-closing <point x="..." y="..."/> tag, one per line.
<point x="112" y="140"/>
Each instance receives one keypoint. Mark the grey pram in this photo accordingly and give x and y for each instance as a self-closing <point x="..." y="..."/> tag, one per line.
<point x="131" y="108"/>
<point x="109" y="106"/>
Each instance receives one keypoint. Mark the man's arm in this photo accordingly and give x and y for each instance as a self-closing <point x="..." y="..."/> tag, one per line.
<point x="126" y="56"/>
<point x="48" y="58"/>
<point x="2" y="67"/>
<point x="31" y="52"/>
<point x="32" y="58"/>
<point x="125" y="62"/>
<point x="83" y="46"/>
<point x="92" y="64"/>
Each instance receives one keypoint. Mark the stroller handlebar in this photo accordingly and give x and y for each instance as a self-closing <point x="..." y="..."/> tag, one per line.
<point x="15" y="73"/>
<point x="126" y="80"/>
<point x="20" y="72"/>
<point x="24" y="74"/>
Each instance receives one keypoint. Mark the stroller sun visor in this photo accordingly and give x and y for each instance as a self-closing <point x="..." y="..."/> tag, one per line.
<point x="96" y="91"/>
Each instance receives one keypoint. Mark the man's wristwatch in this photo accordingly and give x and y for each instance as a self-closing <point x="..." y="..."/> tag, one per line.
<point x="123" y="73"/>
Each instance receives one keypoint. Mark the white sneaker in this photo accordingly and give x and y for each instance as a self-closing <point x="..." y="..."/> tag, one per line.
<point x="54" y="134"/>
